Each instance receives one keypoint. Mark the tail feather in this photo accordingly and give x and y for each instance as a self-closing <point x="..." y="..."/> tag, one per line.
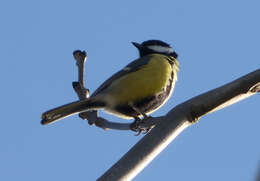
<point x="70" y="109"/>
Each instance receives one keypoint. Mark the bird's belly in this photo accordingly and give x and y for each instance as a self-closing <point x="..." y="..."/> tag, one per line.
<point x="147" y="89"/>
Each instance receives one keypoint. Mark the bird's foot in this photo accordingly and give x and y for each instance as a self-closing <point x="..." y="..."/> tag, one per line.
<point x="136" y="126"/>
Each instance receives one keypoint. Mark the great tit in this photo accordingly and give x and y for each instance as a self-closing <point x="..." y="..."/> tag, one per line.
<point x="138" y="89"/>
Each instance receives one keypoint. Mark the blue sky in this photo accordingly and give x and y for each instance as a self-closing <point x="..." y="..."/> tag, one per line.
<point x="217" y="42"/>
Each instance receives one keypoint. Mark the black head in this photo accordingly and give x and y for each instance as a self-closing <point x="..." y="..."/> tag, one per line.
<point x="155" y="46"/>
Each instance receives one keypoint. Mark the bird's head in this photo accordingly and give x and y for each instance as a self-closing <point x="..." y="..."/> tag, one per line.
<point x="155" y="46"/>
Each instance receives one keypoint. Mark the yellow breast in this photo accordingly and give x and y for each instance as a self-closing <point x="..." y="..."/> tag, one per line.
<point x="149" y="80"/>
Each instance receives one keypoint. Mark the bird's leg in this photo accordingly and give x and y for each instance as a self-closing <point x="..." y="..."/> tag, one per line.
<point x="137" y="110"/>
<point x="135" y="126"/>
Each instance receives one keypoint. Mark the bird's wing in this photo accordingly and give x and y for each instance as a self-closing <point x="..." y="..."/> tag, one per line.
<point x="131" y="67"/>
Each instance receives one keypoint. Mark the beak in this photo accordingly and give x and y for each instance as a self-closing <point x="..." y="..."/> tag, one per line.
<point x="137" y="45"/>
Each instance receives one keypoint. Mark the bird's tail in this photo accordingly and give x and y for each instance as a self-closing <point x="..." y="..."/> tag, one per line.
<point x="70" y="109"/>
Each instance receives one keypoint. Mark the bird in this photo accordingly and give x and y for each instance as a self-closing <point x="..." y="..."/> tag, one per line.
<point x="137" y="90"/>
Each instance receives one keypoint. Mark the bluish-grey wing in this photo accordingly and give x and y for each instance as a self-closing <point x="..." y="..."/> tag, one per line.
<point x="131" y="67"/>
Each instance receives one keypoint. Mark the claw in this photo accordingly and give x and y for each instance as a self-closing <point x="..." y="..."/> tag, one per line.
<point x="147" y="130"/>
<point x="139" y="132"/>
<point x="135" y="126"/>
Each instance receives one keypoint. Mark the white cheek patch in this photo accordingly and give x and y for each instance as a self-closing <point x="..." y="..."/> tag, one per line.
<point x="161" y="49"/>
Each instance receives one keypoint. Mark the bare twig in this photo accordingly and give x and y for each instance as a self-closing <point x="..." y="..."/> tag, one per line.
<point x="83" y="93"/>
<point x="179" y="118"/>
<point x="79" y="87"/>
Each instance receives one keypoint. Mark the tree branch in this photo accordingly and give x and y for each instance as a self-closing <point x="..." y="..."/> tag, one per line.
<point x="83" y="93"/>
<point x="179" y="118"/>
